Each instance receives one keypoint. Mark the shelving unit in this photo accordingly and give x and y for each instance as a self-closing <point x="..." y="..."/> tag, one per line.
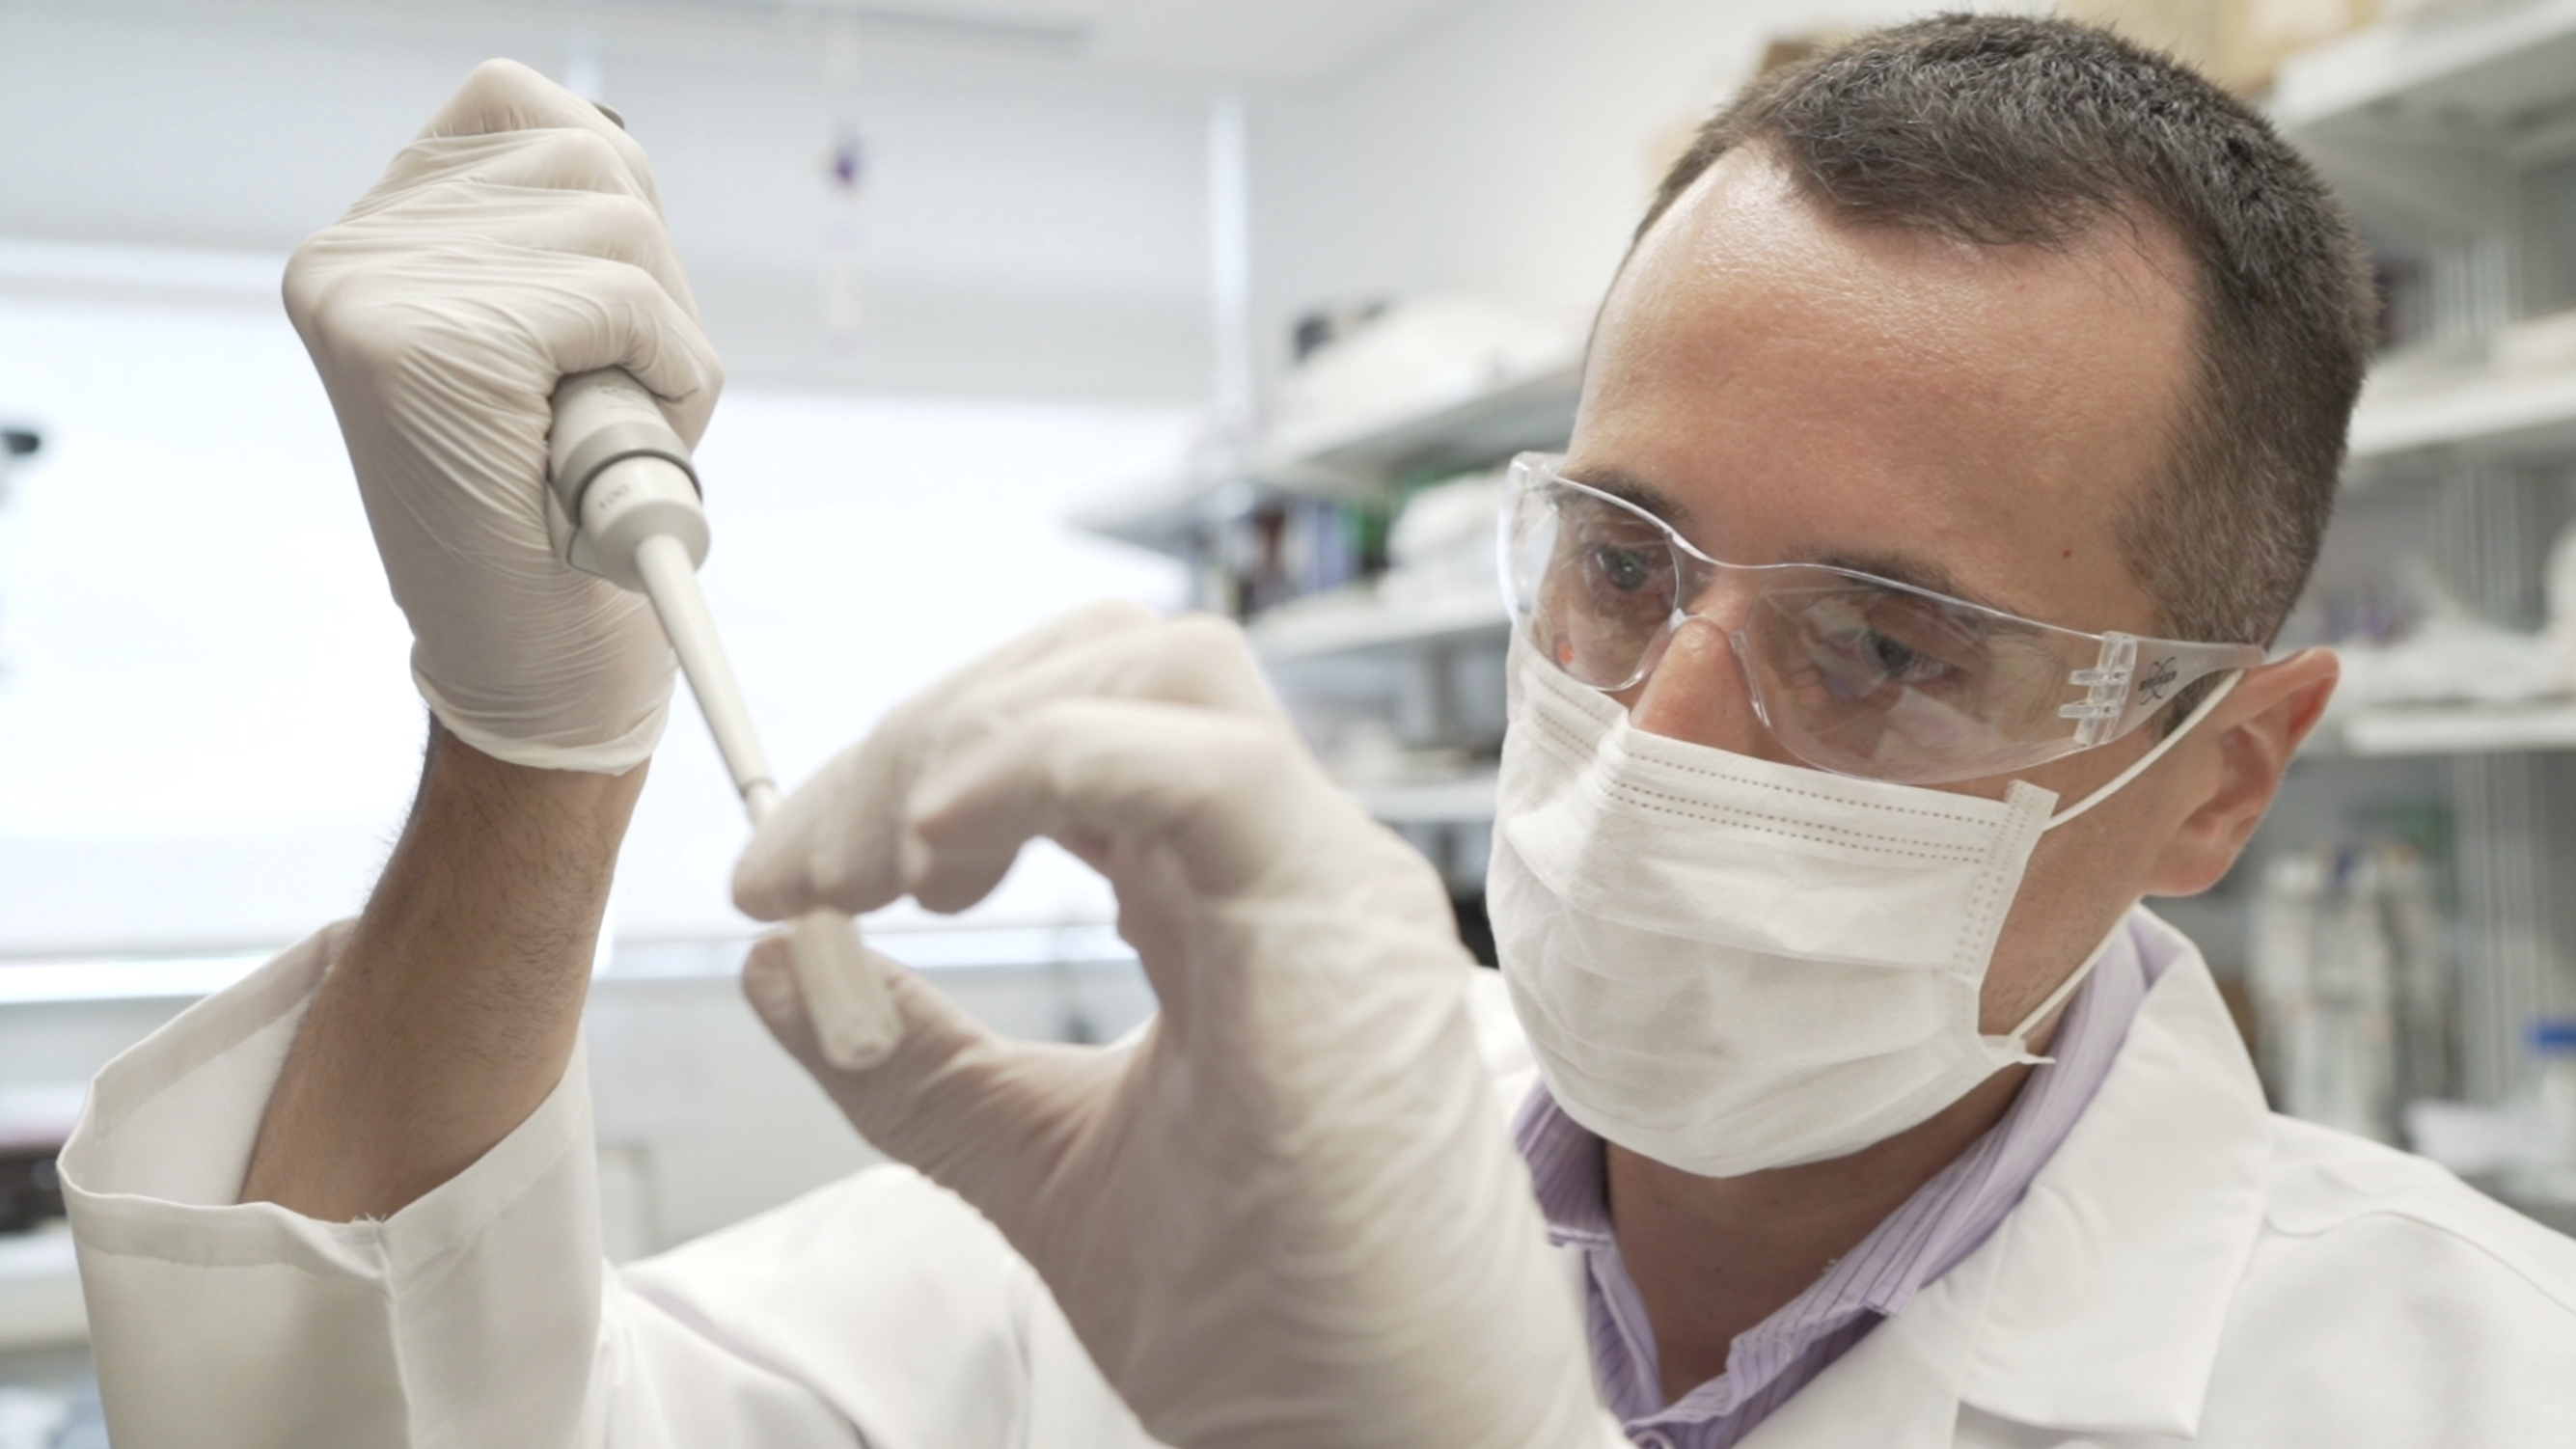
<point x="1356" y="622"/>
<point x="2424" y="123"/>
<point x="2452" y="730"/>
<point x="2491" y="413"/>
<point x="1165" y="514"/>
<point x="2445" y="132"/>
<point x="2473" y="73"/>
<point x="1358" y="458"/>
<point x="1529" y="407"/>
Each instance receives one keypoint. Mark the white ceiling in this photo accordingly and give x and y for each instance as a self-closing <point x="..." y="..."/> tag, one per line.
<point x="1309" y="38"/>
<point x="1285" y="40"/>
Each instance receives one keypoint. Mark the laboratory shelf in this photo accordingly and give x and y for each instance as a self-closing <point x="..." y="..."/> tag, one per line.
<point x="1352" y="621"/>
<point x="2488" y="411"/>
<point x="2450" y="729"/>
<point x="40" y="1292"/>
<point x="1461" y="800"/>
<point x="1356" y="458"/>
<point x="1490" y="418"/>
<point x="2488" y="72"/>
<point x="2421" y="122"/>
<point x="1166" y="514"/>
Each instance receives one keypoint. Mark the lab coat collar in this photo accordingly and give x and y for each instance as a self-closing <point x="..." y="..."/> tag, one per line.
<point x="2098" y="1304"/>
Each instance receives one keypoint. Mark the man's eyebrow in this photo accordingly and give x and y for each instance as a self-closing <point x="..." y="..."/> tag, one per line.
<point x="1630" y="489"/>
<point x="1917" y="572"/>
<point x="1920" y="573"/>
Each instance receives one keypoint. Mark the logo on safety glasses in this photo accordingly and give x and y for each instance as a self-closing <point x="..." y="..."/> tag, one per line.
<point x="2158" y="678"/>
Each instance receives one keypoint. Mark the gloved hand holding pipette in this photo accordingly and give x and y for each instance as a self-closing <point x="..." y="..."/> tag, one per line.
<point x="491" y="260"/>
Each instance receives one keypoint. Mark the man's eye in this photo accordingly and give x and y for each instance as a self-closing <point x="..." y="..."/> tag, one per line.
<point x="1904" y="664"/>
<point x="1622" y="569"/>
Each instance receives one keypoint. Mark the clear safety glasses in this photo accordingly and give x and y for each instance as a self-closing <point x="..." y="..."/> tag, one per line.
<point x="1850" y="672"/>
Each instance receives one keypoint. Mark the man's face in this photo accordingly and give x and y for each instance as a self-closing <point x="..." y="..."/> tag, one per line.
<point x="1971" y="419"/>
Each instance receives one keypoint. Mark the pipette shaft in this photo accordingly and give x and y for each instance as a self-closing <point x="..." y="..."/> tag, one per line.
<point x="671" y="582"/>
<point x="624" y="506"/>
<point x="845" y="992"/>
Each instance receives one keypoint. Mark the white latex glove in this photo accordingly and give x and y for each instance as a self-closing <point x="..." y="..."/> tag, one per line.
<point x="517" y="240"/>
<point x="1286" y="1215"/>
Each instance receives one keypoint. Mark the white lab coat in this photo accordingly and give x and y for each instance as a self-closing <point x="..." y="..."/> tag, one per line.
<point x="2188" y="1268"/>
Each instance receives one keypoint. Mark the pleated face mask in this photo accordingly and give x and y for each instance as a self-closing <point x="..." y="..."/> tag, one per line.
<point x="1727" y="964"/>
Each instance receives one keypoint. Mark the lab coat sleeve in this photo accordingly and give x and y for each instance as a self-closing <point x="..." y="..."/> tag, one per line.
<point x="481" y="1314"/>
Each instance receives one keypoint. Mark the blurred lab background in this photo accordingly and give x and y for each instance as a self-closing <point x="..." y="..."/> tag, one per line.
<point x="1227" y="304"/>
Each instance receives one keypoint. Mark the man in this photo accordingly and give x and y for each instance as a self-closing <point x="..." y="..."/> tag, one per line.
<point x="1965" y="417"/>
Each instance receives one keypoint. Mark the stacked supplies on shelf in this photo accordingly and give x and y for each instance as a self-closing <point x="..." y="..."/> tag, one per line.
<point x="1400" y="359"/>
<point x="2351" y="986"/>
<point x="1286" y="548"/>
<point x="1440" y="550"/>
<point x="2452" y="655"/>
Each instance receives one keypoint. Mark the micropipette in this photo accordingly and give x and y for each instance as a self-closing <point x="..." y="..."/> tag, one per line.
<point x="624" y="505"/>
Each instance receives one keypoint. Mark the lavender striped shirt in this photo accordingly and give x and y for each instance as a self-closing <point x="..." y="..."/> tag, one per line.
<point x="1935" y="1230"/>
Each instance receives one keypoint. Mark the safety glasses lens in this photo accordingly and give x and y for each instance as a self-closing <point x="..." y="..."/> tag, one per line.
<point x="1852" y="674"/>
<point x="1896" y="685"/>
<point x="1595" y="583"/>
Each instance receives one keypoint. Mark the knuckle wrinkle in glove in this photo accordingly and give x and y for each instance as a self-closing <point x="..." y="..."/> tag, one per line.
<point x="570" y="159"/>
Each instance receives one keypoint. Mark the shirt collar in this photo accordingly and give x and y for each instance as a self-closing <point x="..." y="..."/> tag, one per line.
<point x="1566" y="1164"/>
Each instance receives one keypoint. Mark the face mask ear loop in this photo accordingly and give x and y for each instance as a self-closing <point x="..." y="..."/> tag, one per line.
<point x="2149" y="758"/>
<point x="2020" y="1037"/>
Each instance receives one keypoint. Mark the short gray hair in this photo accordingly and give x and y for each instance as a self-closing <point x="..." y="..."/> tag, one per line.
<point x="2013" y="130"/>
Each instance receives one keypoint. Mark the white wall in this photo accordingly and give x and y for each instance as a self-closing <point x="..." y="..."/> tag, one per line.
<point x="1028" y="228"/>
<point x="1506" y="151"/>
<point x="206" y="731"/>
<point x="207" y="728"/>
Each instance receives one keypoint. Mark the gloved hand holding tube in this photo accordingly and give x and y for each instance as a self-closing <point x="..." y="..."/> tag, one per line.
<point x="1287" y="1214"/>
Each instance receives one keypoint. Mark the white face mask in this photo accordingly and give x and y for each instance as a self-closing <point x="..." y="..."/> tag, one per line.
<point x="1727" y="964"/>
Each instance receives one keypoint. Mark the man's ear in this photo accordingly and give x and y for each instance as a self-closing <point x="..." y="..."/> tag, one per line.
<point x="2254" y="732"/>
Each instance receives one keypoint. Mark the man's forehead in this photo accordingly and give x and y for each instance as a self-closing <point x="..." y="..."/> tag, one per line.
<point x="1748" y="208"/>
<point x="1804" y="384"/>
<point x="1746" y="241"/>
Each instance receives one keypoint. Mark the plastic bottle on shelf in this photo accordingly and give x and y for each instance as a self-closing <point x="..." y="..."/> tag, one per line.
<point x="2553" y="1094"/>
<point x="2558" y="591"/>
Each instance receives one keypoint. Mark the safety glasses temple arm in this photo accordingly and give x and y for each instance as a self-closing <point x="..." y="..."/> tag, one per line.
<point x="2156" y="672"/>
